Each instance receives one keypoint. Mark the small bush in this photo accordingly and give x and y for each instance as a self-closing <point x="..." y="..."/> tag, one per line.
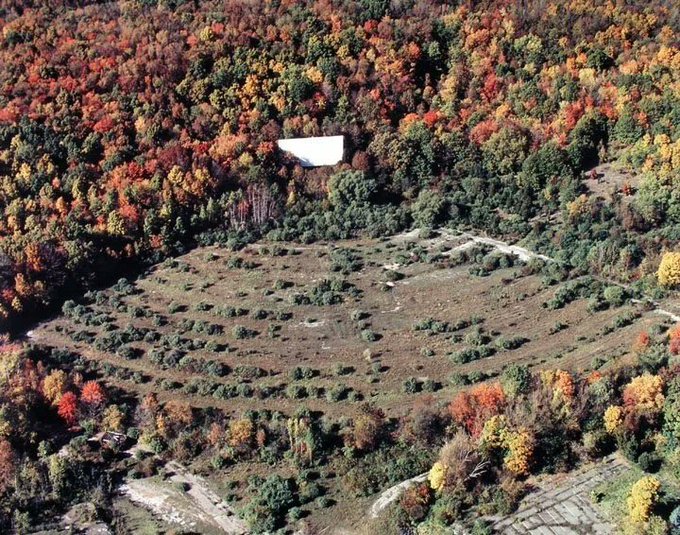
<point x="336" y="393"/>
<point x="367" y="335"/>
<point x="411" y="385"/>
<point x="430" y="385"/>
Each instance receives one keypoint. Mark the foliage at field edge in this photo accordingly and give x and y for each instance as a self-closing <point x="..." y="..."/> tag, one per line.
<point x="481" y="447"/>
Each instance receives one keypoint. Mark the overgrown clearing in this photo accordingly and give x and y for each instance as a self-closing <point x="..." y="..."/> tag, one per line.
<point x="329" y="325"/>
<point x="563" y="503"/>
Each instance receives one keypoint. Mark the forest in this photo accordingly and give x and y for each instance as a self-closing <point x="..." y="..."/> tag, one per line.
<point x="132" y="130"/>
<point x="136" y="131"/>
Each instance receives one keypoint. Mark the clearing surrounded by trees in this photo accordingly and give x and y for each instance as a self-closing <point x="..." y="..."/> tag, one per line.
<point x="335" y="325"/>
<point x="339" y="323"/>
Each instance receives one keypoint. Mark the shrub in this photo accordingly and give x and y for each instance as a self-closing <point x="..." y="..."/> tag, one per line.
<point x="597" y="443"/>
<point x="433" y="326"/>
<point x="481" y="527"/>
<point x="614" y="295"/>
<point x="392" y="275"/>
<point x="295" y="513"/>
<point x="280" y="284"/>
<point x="323" y="502"/>
<point x="428" y="209"/>
<point x="275" y="496"/>
<point x="458" y="379"/>
<point x="649" y="462"/>
<point x="240" y="332"/>
<point x="427" y="352"/>
<point x="248" y="372"/>
<point x="127" y="352"/>
<point x="354" y="396"/>
<point x="296" y="392"/>
<point x="341" y="369"/>
<point x="259" y="314"/>
<point x="429" y="385"/>
<point x="336" y="393"/>
<point x="345" y="261"/>
<point x="508" y="344"/>
<point x="654" y="358"/>
<point x="465" y="355"/>
<point x="477" y="337"/>
<point x="367" y="335"/>
<point x="173" y="308"/>
<point x="358" y="315"/>
<point x="674" y="521"/>
<point x="231" y="312"/>
<point x="411" y="385"/>
<point x="244" y="390"/>
<point x="516" y="380"/>
<point x="448" y="509"/>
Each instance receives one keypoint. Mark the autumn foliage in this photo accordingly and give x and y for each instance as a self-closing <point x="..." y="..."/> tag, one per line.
<point x="674" y="340"/>
<point x="641" y="343"/>
<point x="8" y="465"/>
<point x="643" y="496"/>
<point x="368" y="429"/>
<point x="131" y="126"/>
<point x="473" y="407"/>
<point x="669" y="270"/>
<point x="92" y="394"/>
<point x="644" y="393"/>
<point x="68" y="408"/>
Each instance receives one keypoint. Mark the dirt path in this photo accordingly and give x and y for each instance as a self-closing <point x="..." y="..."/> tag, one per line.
<point x="522" y="253"/>
<point x="197" y="508"/>
<point x="468" y="240"/>
<point x="390" y="495"/>
<point x="667" y="313"/>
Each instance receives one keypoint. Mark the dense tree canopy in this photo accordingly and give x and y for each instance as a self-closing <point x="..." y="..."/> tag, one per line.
<point x="129" y="128"/>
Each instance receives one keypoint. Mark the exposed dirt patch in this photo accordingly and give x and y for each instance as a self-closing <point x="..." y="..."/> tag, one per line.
<point x="606" y="179"/>
<point x="185" y="500"/>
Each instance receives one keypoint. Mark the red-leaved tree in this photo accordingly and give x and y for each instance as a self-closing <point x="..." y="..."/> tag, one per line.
<point x="68" y="408"/>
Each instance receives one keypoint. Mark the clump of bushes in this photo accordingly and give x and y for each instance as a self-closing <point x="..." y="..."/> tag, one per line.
<point x="240" y="332"/>
<point x="432" y="326"/>
<point x="345" y="261"/>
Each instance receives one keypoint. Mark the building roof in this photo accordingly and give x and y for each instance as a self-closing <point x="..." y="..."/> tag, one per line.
<point x="314" y="151"/>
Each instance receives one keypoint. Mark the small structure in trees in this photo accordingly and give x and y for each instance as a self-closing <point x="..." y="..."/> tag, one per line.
<point x="114" y="440"/>
<point x="314" y="151"/>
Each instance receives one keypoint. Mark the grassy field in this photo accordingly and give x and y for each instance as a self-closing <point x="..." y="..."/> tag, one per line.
<point x="333" y="324"/>
<point x="329" y="326"/>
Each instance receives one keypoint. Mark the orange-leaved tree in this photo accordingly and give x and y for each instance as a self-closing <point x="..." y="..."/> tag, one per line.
<point x="473" y="407"/>
<point x="93" y="395"/>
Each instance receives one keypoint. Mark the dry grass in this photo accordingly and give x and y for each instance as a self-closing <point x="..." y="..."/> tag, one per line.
<point x="505" y="303"/>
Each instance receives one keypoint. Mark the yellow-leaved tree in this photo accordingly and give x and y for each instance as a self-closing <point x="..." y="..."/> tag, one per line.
<point x="437" y="476"/>
<point x="669" y="270"/>
<point x="643" y="496"/>
<point x="520" y="451"/>
<point x="613" y="419"/>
